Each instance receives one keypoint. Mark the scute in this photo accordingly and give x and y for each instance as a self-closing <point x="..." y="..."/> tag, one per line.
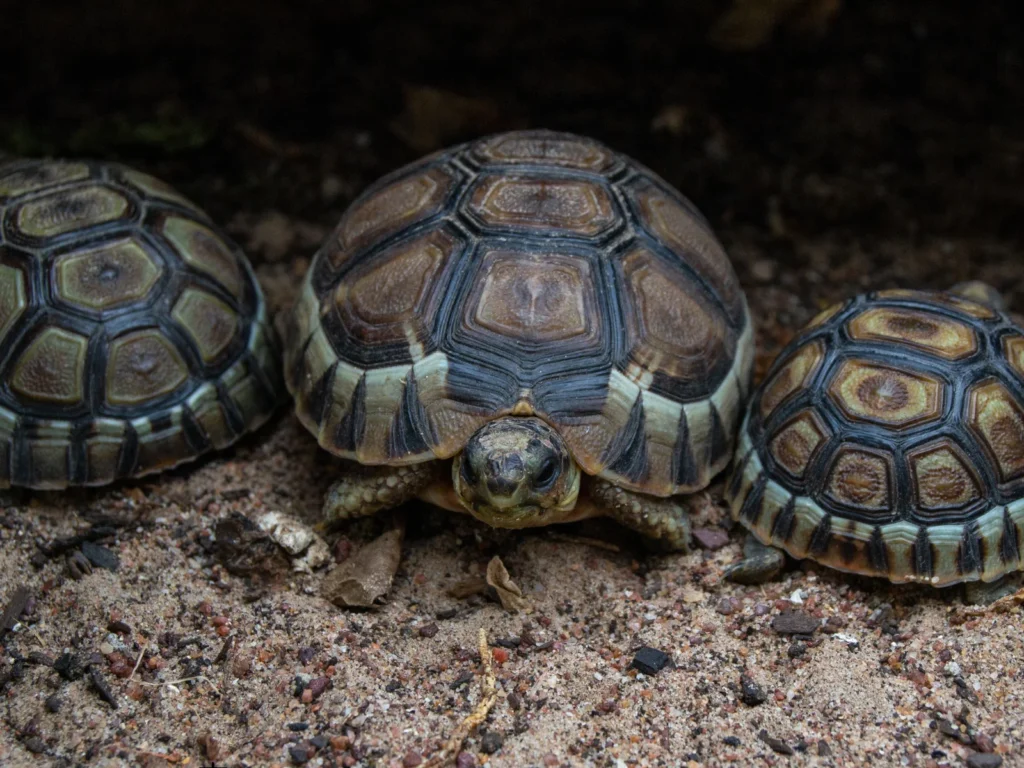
<point x="885" y="395"/>
<point x="921" y="416"/>
<point x="388" y="209"/>
<point x="68" y="211"/>
<point x="106" y="276"/>
<point x="578" y="207"/>
<point x="143" y="365"/>
<point x="51" y="368"/>
<point x="100" y="379"/>
<point x="13" y="298"/>
<point x="499" y="277"/>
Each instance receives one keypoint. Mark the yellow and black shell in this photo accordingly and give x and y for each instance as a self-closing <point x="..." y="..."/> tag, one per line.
<point x="133" y="334"/>
<point x="528" y="273"/>
<point x="888" y="440"/>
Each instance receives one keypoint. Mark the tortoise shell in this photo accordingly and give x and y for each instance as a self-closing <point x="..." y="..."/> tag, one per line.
<point x="888" y="440"/>
<point x="528" y="273"/>
<point x="133" y="335"/>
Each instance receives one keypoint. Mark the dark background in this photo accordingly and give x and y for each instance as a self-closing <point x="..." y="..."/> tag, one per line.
<point x="836" y="147"/>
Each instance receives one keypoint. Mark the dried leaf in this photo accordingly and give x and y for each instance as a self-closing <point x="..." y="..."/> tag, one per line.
<point x="15" y="605"/>
<point x="749" y="24"/>
<point x="433" y="117"/>
<point x="467" y="588"/>
<point x="367" y="574"/>
<point x="509" y="593"/>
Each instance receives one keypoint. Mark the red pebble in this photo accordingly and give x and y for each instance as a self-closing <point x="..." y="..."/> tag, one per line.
<point x="500" y="655"/>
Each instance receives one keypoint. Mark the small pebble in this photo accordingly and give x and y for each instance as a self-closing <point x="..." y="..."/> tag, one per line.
<point x="119" y="627"/>
<point x="795" y="623"/>
<point x="465" y="760"/>
<point x="491" y="742"/>
<point x="796" y="650"/>
<point x="100" y="556"/>
<point x="732" y="741"/>
<point x="54" y="703"/>
<point x="650" y="661"/>
<point x="428" y="630"/>
<point x="983" y="760"/>
<point x="298" y="726"/>
<point x="448" y="613"/>
<point x="777" y="745"/>
<point x="751" y="693"/>
<point x="824" y="750"/>
<point x="412" y="759"/>
<point x="306" y="654"/>
<point x="711" y="538"/>
<point x="299" y="755"/>
<point x="727" y="606"/>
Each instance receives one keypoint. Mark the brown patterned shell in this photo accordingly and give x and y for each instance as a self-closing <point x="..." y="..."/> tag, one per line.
<point x="133" y="335"/>
<point x="888" y="440"/>
<point x="526" y="273"/>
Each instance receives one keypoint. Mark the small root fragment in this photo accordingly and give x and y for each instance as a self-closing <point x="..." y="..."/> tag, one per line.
<point x="488" y="695"/>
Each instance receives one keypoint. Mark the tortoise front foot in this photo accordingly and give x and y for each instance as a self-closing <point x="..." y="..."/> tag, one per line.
<point x="760" y="563"/>
<point x="987" y="592"/>
<point x="664" y="522"/>
<point x="363" y="491"/>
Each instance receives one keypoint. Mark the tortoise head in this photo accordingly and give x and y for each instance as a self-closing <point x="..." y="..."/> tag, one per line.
<point x="516" y="472"/>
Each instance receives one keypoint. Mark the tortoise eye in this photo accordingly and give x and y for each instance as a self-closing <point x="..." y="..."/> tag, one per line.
<point x="469" y="476"/>
<point x="546" y="474"/>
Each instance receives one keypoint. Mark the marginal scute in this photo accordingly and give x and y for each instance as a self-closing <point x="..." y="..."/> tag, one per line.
<point x="51" y="369"/>
<point x="997" y="418"/>
<point x="883" y="395"/>
<point x="544" y="148"/>
<point x="671" y="327"/>
<point x="861" y="479"/>
<point x="791" y="377"/>
<point x="143" y="365"/>
<point x="207" y="320"/>
<point x="575" y="205"/>
<point x="796" y="443"/>
<point x="107" y="276"/>
<point x="39" y="176"/>
<point x="943" y="478"/>
<point x="386" y="211"/>
<point x="13" y="300"/>
<point x="62" y="212"/>
<point x="204" y="250"/>
<point x="927" y="331"/>
<point x="693" y="243"/>
<point x="535" y="297"/>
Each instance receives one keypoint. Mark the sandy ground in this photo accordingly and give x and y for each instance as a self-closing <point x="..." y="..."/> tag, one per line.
<point x="889" y="152"/>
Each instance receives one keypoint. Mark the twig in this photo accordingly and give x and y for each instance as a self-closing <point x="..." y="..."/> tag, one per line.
<point x="488" y="695"/>
<point x="138" y="661"/>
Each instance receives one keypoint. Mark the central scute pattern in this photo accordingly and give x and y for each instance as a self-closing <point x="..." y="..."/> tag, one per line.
<point x="535" y="273"/>
<point x="888" y="439"/>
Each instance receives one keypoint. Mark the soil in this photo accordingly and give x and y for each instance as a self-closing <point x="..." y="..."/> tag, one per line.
<point x="847" y="147"/>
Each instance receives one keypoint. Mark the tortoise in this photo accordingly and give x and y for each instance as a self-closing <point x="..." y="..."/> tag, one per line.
<point x="529" y="327"/>
<point x="133" y="334"/>
<point x="888" y="440"/>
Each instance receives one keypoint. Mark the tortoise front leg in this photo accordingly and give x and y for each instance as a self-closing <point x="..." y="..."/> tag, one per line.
<point x="363" y="491"/>
<point x="760" y="563"/>
<point x="664" y="521"/>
